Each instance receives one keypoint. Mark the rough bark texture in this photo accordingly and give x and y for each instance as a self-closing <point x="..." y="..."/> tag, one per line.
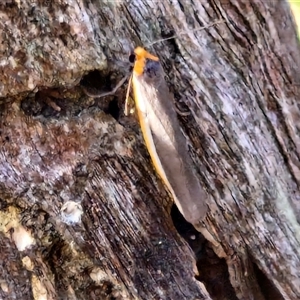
<point x="238" y="80"/>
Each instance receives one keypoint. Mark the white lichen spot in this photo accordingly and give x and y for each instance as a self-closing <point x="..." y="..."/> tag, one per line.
<point x="10" y="219"/>
<point x="71" y="212"/>
<point x="120" y="148"/>
<point x="98" y="275"/>
<point x="18" y="2"/>
<point x="27" y="263"/>
<point x="30" y="83"/>
<point x="38" y="289"/>
<point x="4" y="286"/>
<point x="22" y="238"/>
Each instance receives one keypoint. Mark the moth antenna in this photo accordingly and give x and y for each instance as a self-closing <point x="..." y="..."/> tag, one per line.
<point x="183" y="33"/>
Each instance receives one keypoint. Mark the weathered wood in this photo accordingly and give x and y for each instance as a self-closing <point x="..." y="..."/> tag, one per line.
<point x="239" y="82"/>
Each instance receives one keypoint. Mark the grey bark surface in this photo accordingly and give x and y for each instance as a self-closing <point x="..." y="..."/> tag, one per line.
<point x="239" y="82"/>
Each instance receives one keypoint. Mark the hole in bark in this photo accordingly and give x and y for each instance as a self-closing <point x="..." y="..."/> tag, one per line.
<point x="268" y="289"/>
<point x="49" y="102"/>
<point x="95" y="84"/>
<point x="113" y="109"/>
<point x="187" y="231"/>
<point x="172" y="45"/>
<point x="31" y="107"/>
<point x="168" y="37"/>
<point x="212" y="271"/>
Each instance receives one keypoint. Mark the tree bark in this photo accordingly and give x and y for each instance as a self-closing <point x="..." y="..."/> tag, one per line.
<point x="63" y="152"/>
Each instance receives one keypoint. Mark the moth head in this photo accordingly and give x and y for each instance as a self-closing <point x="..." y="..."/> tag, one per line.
<point x="139" y="58"/>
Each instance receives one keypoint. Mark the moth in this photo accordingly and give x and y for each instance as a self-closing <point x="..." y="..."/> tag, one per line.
<point x="164" y="140"/>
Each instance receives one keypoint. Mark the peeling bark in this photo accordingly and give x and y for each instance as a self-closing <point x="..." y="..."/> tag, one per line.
<point x="238" y="83"/>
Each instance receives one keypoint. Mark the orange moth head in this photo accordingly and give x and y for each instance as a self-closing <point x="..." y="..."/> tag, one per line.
<point x="140" y="60"/>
